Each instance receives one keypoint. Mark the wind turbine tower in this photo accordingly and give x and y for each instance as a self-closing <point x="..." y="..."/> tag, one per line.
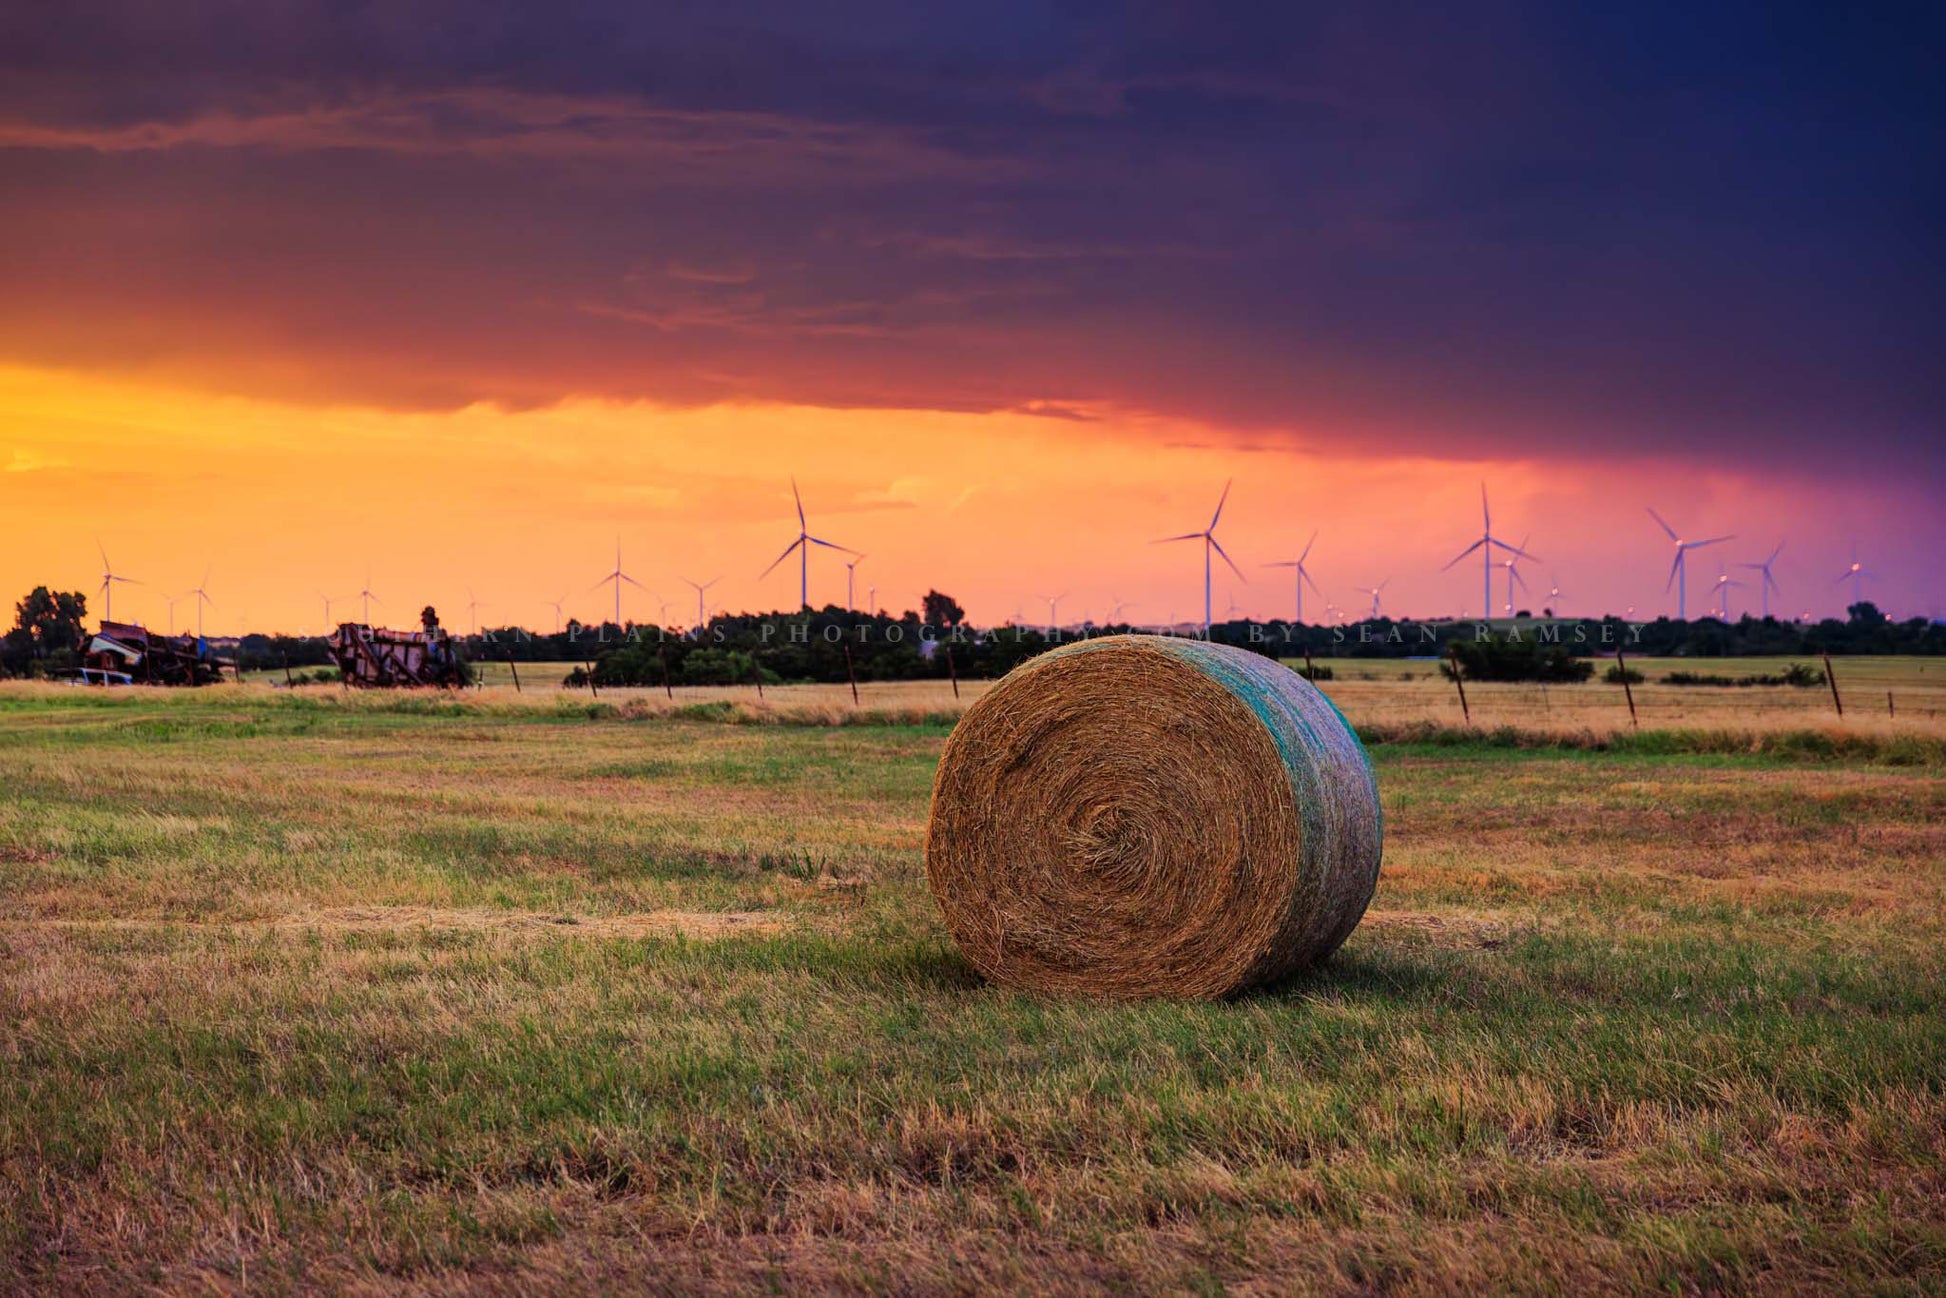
<point x="1302" y="575"/>
<point x="365" y="593"/>
<point x="803" y="545"/>
<point x="1857" y="574"/>
<point x="1485" y="546"/>
<point x="851" y="582"/>
<point x="702" y="614"/>
<point x="1679" y="570"/>
<point x="1513" y="574"/>
<point x="1208" y="537"/>
<point x="618" y="577"/>
<point x="1767" y="583"/>
<point x="1373" y="592"/>
<point x="1721" y="589"/>
<point x="108" y="579"/>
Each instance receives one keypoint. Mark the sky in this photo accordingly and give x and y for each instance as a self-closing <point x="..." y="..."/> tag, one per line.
<point x="451" y="299"/>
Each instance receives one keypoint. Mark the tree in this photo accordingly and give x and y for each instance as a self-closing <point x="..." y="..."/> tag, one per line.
<point x="942" y="610"/>
<point x="46" y="623"/>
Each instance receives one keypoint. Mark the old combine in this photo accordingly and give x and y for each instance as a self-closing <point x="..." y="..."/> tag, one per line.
<point x="122" y="653"/>
<point x="373" y="658"/>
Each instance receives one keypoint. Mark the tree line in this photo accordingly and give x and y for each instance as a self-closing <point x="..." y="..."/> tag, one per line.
<point x="937" y="642"/>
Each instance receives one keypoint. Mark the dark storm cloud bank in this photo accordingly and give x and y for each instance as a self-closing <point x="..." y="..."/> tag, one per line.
<point x="1642" y="229"/>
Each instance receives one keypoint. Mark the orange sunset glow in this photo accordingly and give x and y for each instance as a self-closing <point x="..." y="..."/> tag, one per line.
<point x="516" y="508"/>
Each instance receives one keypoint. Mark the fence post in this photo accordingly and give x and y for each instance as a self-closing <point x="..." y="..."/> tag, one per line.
<point x="1831" y="678"/>
<point x="952" y="672"/>
<point x="1460" y="685"/>
<point x="1621" y="669"/>
<point x="851" y="675"/>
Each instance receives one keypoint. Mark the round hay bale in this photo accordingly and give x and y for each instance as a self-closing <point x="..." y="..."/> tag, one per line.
<point x="1145" y="816"/>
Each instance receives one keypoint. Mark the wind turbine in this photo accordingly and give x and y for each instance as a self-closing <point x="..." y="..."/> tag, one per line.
<point x="702" y="615"/>
<point x="1554" y="597"/>
<point x="1768" y="583"/>
<point x="618" y="577"/>
<point x="871" y="598"/>
<point x="108" y="579"/>
<point x="1115" y="612"/>
<point x="851" y="578"/>
<point x="1053" y="604"/>
<point x="1301" y="576"/>
<point x="555" y="604"/>
<point x="327" y="607"/>
<point x="173" y="601"/>
<point x="1679" y="570"/>
<point x="1513" y="574"/>
<point x="1857" y="574"/>
<point x="365" y="593"/>
<point x="202" y="598"/>
<point x="803" y="545"/>
<point x="1373" y="592"/>
<point x="1485" y="545"/>
<point x="1208" y="537"/>
<point x="473" y="607"/>
<point x="1721" y="589"/>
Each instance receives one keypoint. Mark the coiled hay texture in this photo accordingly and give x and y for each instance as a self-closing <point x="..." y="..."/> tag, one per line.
<point x="1142" y="816"/>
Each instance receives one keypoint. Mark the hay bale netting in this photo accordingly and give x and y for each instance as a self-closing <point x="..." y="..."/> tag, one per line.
<point x="1146" y="816"/>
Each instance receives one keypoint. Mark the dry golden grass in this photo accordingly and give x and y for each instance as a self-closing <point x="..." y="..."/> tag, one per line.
<point x="286" y="1004"/>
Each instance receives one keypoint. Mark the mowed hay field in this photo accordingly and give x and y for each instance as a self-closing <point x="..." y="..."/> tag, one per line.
<point x="503" y="993"/>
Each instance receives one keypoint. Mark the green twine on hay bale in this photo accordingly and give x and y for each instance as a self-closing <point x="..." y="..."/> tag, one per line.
<point x="1142" y="816"/>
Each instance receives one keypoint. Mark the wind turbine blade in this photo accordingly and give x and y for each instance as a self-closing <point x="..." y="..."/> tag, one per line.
<point x="1774" y="553"/>
<point x="1463" y="553"/>
<point x="1841" y="577"/>
<point x="1214" y="544"/>
<point x="1219" y="505"/>
<point x="1308" y="582"/>
<point x="1307" y="549"/>
<point x="832" y="545"/>
<point x="631" y="581"/>
<point x="1486" y="519"/>
<point x="1712" y="541"/>
<point x="801" y="524"/>
<point x="1665" y="526"/>
<point x="780" y="558"/>
<point x="1517" y="550"/>
<point x="1288" y="563"/>
<point x="1186" y="536"/>
<point x="1669" y="584"/>
<point x="1518" y="579"/>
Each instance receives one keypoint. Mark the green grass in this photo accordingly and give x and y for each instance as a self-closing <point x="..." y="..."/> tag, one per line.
<point x="295" y="995"/>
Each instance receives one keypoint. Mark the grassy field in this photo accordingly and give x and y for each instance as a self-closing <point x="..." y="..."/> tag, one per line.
<point x="512" y="992"/>
<point x="1882" y="696"/>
